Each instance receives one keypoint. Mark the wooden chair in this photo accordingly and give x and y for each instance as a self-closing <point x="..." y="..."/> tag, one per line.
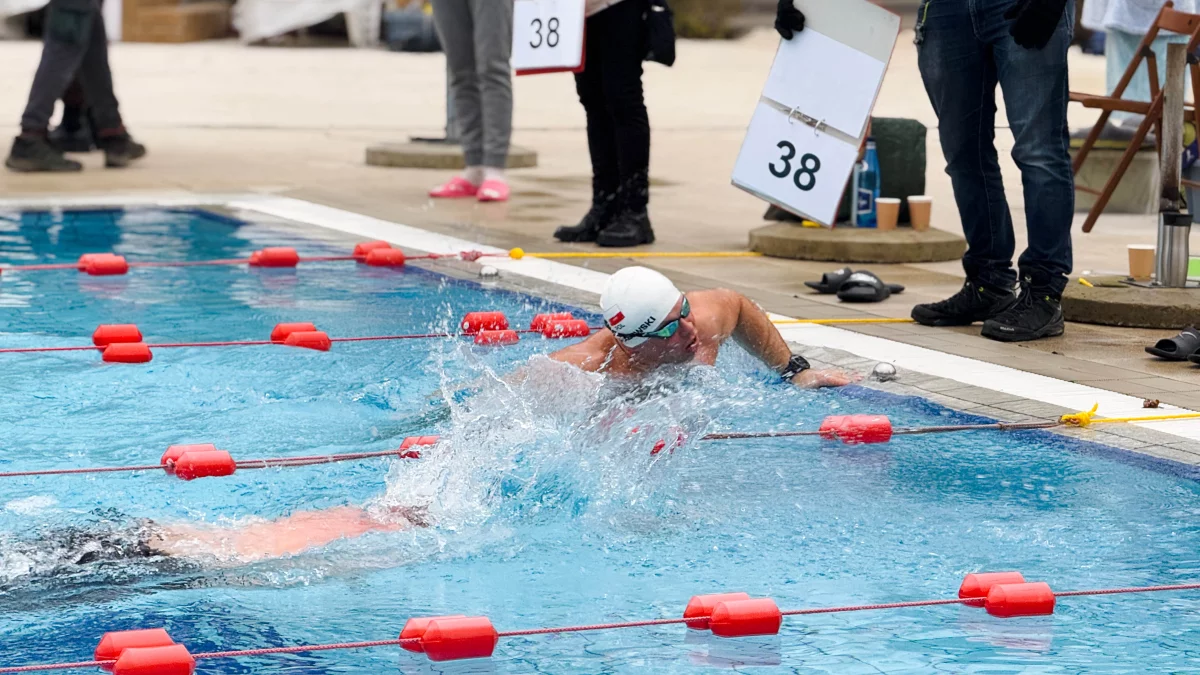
<point x="1169" y="20"/>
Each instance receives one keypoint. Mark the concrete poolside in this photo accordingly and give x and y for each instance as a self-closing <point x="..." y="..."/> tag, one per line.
<point x="220" y="117"/>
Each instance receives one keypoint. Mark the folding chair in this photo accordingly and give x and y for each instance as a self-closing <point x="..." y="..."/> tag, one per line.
<point x="1169" y="20"/>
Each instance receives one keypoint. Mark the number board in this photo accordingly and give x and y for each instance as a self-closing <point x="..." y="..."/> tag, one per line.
<point x="547" y="35"/>
<point x="789" y="163"/>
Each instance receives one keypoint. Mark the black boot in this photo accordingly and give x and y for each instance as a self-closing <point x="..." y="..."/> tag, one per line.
<point x="597" y="218"/>
<point x="74" y="134"/>
<point x="630" y="228"/>
<point x="1036" y="314"/>
<point x="32" y="152"/>
<point x="120" y="150"/>
<point x="975" y="302"/>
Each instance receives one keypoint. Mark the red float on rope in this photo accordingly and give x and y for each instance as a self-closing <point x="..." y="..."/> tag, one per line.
<point x="452" y="639"/>
<point x="854" y="429"/>
<point x="114" y="642"/>
<point x="105" y="264"/>
<point x="385" y="257"/>
<point x="281" y="331"/>
<point x="417" y="441"/>
<point x="539" y="322"/>
<point x="980" y="584"/>
<point x="741" y="618"/>
<point x="127" y="352"/>
<point x="204" y="464"/>
<point x="566" y="328"/>
<point x="414" y="630"/>
<point x="474" y="322"/>
<point x="362" y="249"/>
<point x="171" y="660"/>
<point x="86" y="258"/>
<point x="106" y="334"/>
<point x="280" y="256"/>
<point x="1009" y="600"/>
<point x="309" y="339"/>
<point x="174" y="452"/>
<point x="701" y="606"/>
<point x="497" y="337"/>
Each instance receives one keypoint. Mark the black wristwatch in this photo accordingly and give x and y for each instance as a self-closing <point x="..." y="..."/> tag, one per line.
<point x="796" y="365"/>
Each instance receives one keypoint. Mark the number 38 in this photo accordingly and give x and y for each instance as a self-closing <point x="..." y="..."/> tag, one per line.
<point x="810" y="164"/>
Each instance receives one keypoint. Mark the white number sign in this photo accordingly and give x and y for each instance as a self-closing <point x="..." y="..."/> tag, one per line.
<point x="547" y="35"/>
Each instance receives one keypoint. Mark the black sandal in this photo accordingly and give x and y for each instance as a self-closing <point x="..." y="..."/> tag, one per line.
<point x="830" y="281"/>
<point x="866" y="287"/>
<point x="1179" y="348"/>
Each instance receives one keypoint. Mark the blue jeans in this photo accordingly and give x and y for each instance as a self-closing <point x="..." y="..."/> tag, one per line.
<point x="964" y="51"/>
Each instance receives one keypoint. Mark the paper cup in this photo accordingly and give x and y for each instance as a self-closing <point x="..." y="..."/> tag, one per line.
<point x="887" y="211"/>
<point x="1141" y="262"/>
<point x="920" y="209"/>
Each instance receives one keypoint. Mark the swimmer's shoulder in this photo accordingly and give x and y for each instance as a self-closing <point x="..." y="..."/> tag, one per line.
<point x="592" y="354"/>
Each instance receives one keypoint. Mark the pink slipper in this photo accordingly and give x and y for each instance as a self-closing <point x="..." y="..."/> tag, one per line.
<point x="493" y="191"/>
<point x="455" y="188"/>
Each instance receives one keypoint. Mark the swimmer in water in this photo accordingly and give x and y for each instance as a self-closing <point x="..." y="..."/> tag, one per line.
<point x="651" y="323"/>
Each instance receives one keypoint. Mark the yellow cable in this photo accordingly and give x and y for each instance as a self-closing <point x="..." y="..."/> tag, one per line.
<point x="1085" y="418"/>
<point x="828" y="321"/>
<point x="1087" y="283"/>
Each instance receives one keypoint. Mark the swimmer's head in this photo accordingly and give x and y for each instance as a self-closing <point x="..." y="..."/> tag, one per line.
<point x="647" y="313"/>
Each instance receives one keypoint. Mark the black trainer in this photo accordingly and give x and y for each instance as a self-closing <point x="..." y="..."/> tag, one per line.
<point x="120" y="150"/>
<point x="1037" y="314"/>
<point x="32" y="152"/>
<point x="631" y="228"/>
<point x="597" y="218"/>
<point x="975" y="302"/>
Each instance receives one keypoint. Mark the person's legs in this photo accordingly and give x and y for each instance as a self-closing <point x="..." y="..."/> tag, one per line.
<point x="456" y="30"/>
<point x="1036" y="92"/>
<point x="73" y="133"/>
<point x="493" y="53"/>
<point x="960" y="78"/>
<point x="621" y="81"/>
<point x="95" y="76"/>
<point x="601" y="136"/>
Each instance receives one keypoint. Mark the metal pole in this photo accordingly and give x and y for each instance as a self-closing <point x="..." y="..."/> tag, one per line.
<point x="1174" y="228"/>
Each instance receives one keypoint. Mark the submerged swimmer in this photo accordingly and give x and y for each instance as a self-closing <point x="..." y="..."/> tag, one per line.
<point x="651" y="324"/>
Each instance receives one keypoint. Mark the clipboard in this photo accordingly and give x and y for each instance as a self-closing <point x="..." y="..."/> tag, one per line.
<point x="803" y="139"/>
<point x="549" y="36"/>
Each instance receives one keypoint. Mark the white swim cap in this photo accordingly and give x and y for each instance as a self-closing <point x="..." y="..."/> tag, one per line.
<point x="637" y="299"/>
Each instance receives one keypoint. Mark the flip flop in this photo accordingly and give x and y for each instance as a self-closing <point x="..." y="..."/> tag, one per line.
<point x="866" y="287"/>
<point x="830" y="281"/>
<point x="1178" y="348"/>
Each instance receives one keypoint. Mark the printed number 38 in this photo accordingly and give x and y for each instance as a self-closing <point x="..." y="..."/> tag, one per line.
<point x="810" y="164"/>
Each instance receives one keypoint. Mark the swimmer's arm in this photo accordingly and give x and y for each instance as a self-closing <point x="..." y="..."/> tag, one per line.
<point x="752" y="329"/>
<point x="582" y="355"/>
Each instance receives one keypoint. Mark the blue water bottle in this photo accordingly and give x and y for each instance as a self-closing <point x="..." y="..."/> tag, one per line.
<point x="867" y="187"/>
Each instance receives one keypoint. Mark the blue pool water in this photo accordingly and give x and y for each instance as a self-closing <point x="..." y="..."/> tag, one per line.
<point x="546" y="510"/>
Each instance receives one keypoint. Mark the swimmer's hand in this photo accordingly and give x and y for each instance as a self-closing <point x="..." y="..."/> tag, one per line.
<point x="813" y="379"/>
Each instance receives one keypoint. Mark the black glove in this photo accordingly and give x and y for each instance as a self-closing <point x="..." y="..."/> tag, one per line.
<point x="1034" y="21"/>
<point x="789" y="20"/>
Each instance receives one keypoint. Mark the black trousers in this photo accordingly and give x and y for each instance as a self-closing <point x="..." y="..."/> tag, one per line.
<point x="74" y="42"/>
<point x="610" y="88"/>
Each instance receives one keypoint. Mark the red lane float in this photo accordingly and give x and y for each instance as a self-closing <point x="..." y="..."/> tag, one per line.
<point x="474" y="322"/>
<point x="539" y="322"/>
<point x="363" y="249"/>
<point x="127" y="352"/>
<point x="702" y="606"/>
<point x="978" y="585"/>
<point x="106" y="334"/>
<point x="113" y="643"/>
<point x="204" y="464"/>
<point x="172" y="660"/>
<point x="309" y="339"/>
<point x="452" y="639"/>
<point x="281" y="331"/>
<point x="102" y="264"/>
<point x="418" y="441"/>
<point x="855" y="429"/>
<point x="741" y="618"/>
<point x="566" y="328"/>
<point x="385" y="257"/>
<point x="1009" y="600"/>
<point x="497" y="337"/>
<point x="279" y="256"/>
<point x="414" y="630"/>
<point x="174" y="452"/>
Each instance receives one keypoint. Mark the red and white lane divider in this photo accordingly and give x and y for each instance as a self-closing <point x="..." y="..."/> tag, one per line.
<point x="153" y="651"/>
<point x="122" y="343"/>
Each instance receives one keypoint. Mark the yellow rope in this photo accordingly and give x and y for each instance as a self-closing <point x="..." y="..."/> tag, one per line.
<point x="517" y="254"/>
<point x="835" y="321"/>
<point x="1085" y="418"/>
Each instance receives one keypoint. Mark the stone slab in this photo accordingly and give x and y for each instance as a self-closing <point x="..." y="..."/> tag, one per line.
<point x="857" y="245"/>
<point x="442" y="156"/>
<point x="1113" y="303"/>
<point x="1136" y="193"/>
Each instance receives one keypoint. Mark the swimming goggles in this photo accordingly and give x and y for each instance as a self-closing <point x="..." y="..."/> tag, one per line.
<point x="667" y="330"/>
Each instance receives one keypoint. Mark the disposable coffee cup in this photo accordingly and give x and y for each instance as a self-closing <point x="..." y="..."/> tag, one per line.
<point x="920" y="209"/>
<point x="887" y="212"/>
<point x="1141" y="262"/>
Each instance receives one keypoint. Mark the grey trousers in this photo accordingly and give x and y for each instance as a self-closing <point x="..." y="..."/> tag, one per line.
<point x="477" y="38"/>
<point x="74" y="42"/>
